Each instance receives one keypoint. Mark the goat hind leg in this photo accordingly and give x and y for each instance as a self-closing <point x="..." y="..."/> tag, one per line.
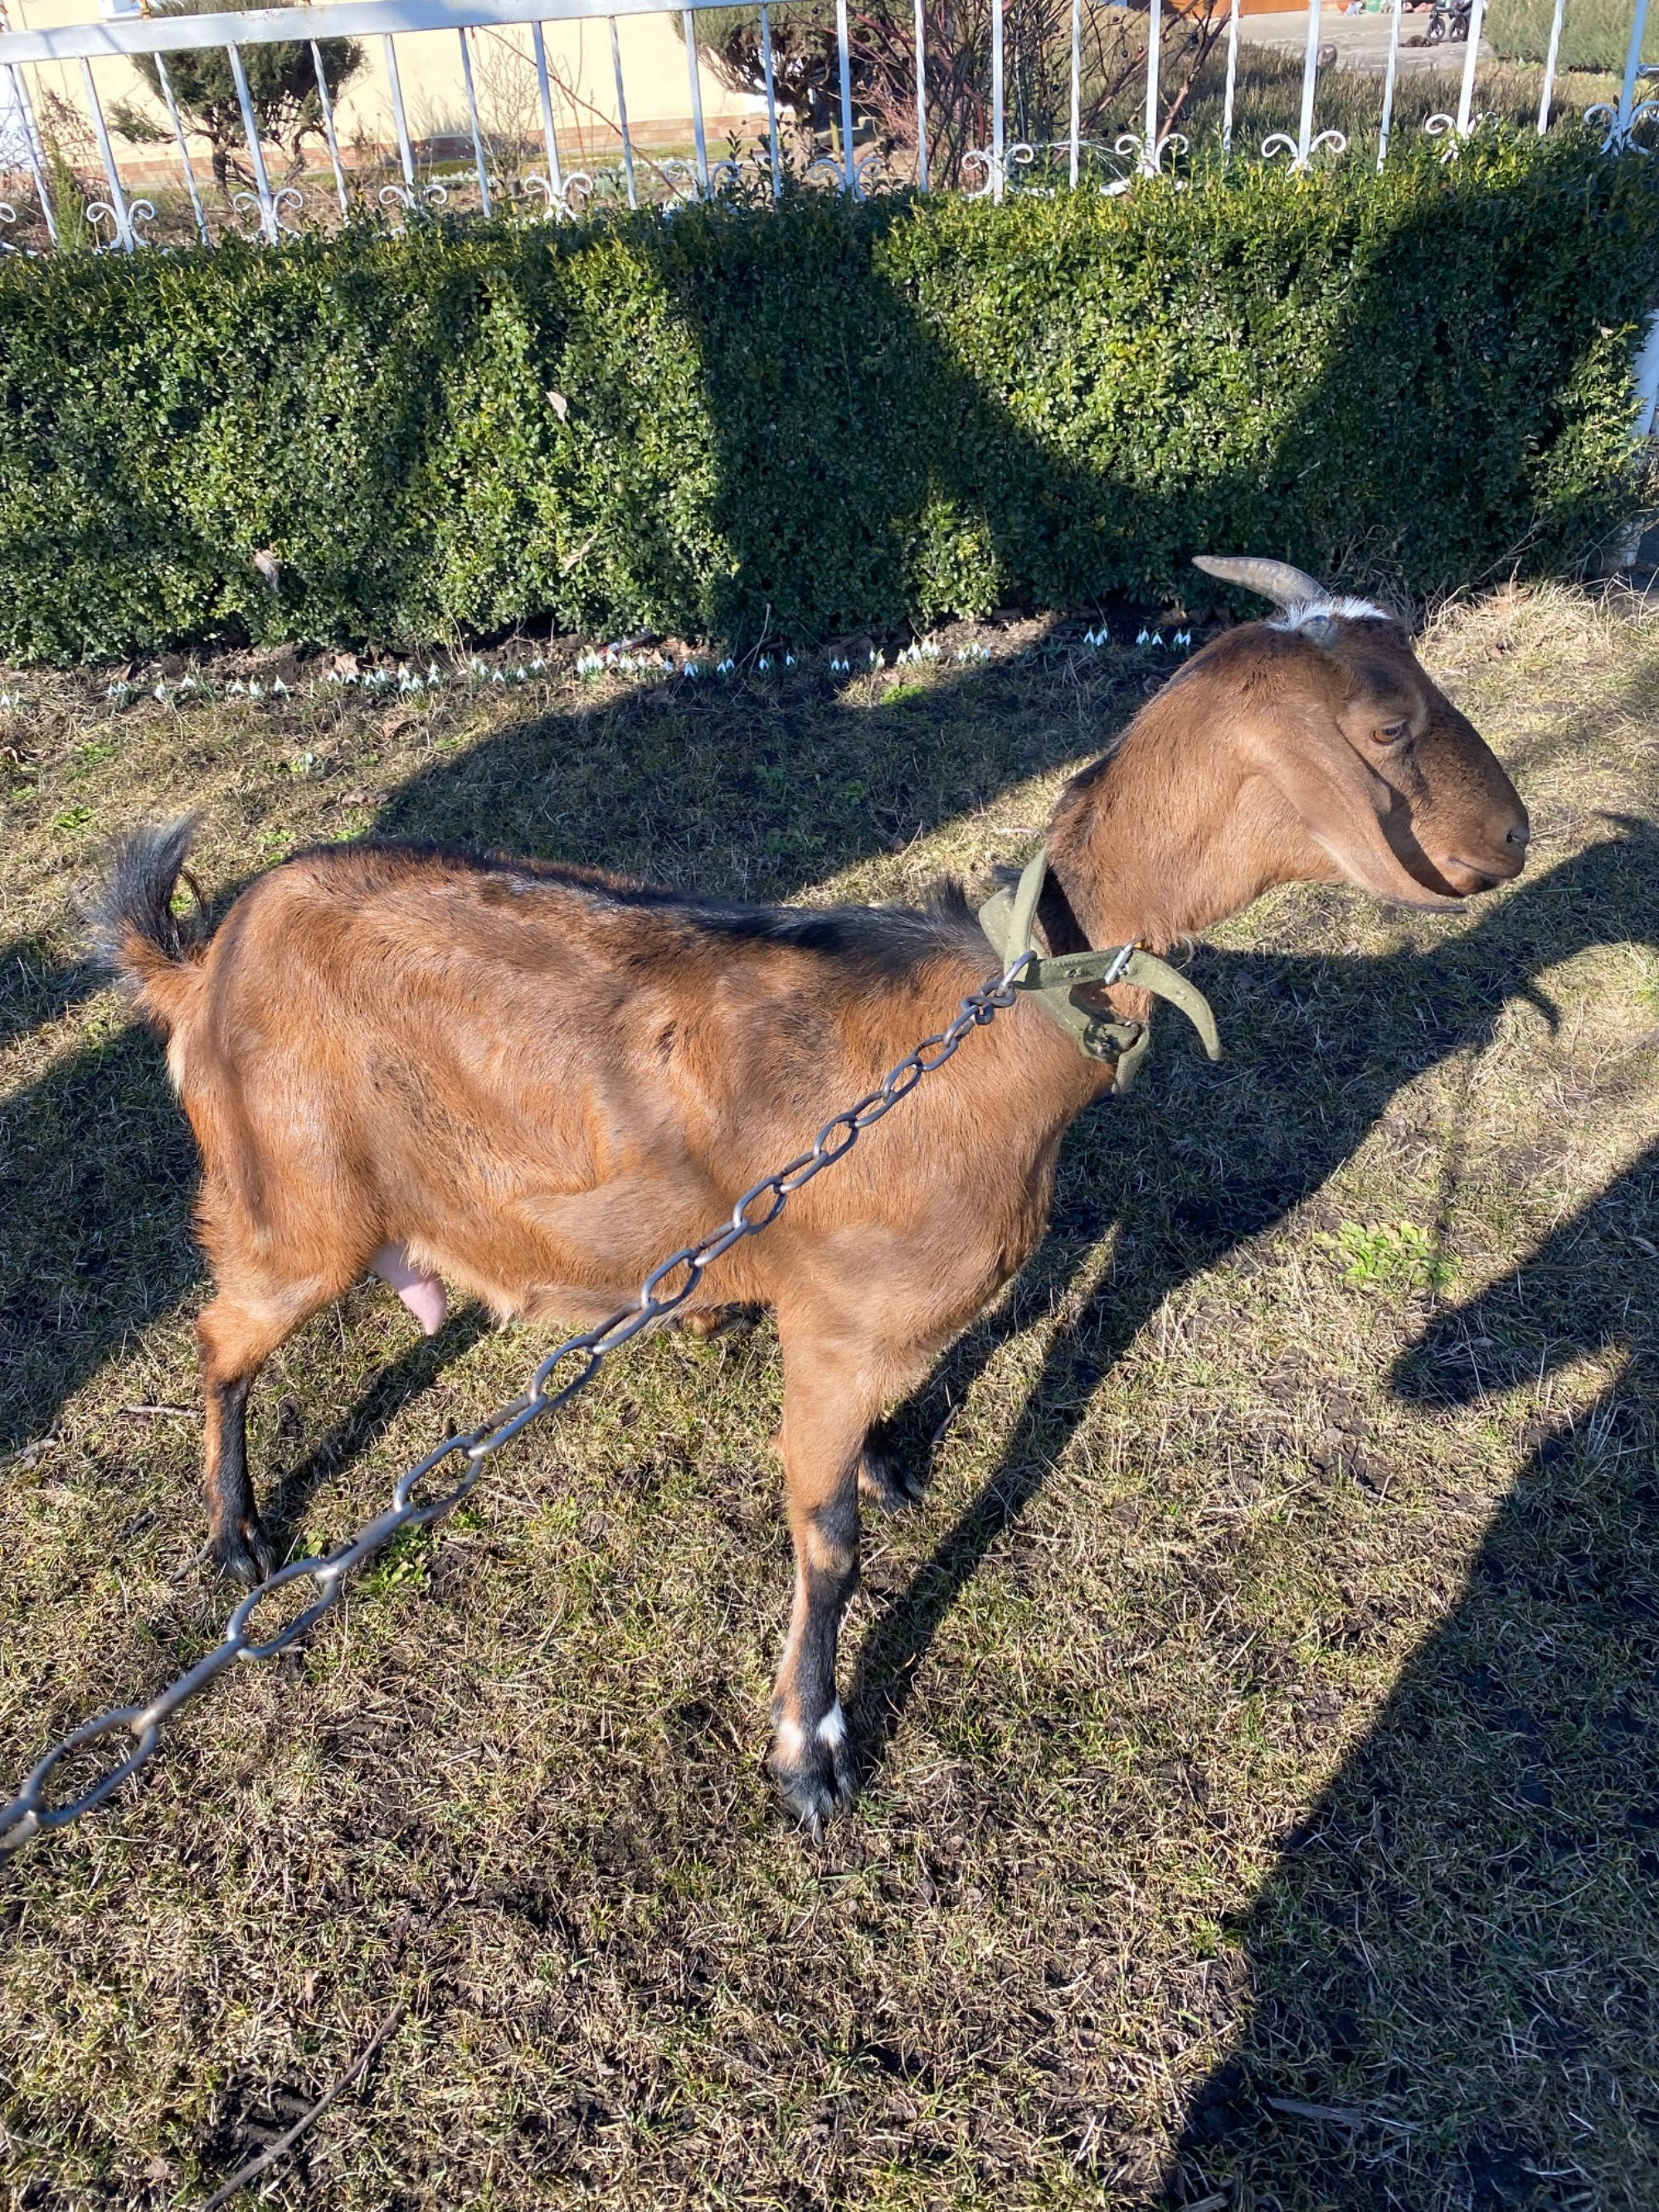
<point x="236" y="1334"/>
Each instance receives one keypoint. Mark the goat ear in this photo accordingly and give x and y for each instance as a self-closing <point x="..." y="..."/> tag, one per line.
<point x="1341" y="805"/>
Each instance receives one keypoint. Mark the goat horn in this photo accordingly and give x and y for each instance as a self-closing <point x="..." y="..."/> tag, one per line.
<point x="1274" y="579"/>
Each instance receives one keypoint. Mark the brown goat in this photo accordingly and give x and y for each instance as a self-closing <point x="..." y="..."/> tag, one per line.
<point x="537" y="1081"/>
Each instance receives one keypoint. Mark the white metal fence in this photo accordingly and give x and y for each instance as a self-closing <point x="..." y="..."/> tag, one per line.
<point x="863" y="146"/>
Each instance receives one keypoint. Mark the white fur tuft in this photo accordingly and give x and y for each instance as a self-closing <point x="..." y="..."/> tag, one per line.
<point x="1306" y="611"/>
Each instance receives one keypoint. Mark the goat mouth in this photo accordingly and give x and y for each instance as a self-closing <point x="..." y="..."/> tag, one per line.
<point x="1468" y="878"/>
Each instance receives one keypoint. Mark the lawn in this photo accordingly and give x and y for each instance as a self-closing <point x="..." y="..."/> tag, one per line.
<point x="1259" y="1712"/>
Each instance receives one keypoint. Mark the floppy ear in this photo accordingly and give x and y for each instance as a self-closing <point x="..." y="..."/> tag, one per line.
<point x="1341" y="805"/>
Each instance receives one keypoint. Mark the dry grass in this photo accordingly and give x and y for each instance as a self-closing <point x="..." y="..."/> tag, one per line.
<point x="1259" y="1709"/>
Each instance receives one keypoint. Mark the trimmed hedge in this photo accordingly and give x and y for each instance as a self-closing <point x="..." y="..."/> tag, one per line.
<point x="827" y="416"/>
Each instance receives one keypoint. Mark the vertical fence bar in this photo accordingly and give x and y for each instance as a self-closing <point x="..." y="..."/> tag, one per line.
<point x="1644" y="375"/>
<point x="843" y="41"/>
<point x="1154" y="35"/>
<point x="1077" y="91"/>
<point x="1633" y="62"/>
<point x="184" y="149"/>
<point x="771" y="104"/>
<point x="1388" y="83"/>
<point x="922" y="98"/>
<point x="1544" y="97"/>
<point x="691" y="23"/>
<point x="32" y="146"/>
<point x="327" y="106"/>
<point x="484" y="206"/>
<point x="106" y="155"/>
<point x="1310" y="79"/>
<point x="1466" y="90"/>
<point x="621" y="115"/>
<point x="256" y="152"/>
<point x="549" y="136"/>
<point x="998" y="135"/>
<point x="405" y="151"/>
<point x="1232" y="80"/>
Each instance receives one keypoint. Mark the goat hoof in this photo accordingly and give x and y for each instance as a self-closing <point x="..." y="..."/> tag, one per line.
<point x="887" y="1482"/>
<point x="816" y="1782"/>
<point x="245" y="1553"/>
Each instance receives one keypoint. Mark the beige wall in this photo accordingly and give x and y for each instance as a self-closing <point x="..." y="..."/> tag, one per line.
<point x="654" y="76"/>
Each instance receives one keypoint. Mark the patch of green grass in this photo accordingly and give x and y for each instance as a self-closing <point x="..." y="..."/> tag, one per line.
<point x="1388" y="1255"/>
<point x="1258" y="1710"/>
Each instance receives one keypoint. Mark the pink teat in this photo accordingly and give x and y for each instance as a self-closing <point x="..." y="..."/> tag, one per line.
<point x="422" y="1293"/>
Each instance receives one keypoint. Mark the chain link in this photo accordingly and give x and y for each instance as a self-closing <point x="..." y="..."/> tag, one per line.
<point x="29" y="1813"/>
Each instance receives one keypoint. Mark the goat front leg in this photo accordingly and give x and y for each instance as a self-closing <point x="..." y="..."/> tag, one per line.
<point x="832" y="1393"/>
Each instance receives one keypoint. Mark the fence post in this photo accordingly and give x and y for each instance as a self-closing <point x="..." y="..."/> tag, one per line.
<point x="1633" y="62"/>
<point x="843" y="40"/>
<point x="1471" y="57"/>
<point x="621" y="115"/>
<point x="117" y="210"/>
<point x="922" y="97"/>
<point x="1549" y="67"/>
<point x="772" y="104"/>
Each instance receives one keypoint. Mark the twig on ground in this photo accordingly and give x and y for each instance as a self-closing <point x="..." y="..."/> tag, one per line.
<point x="1343" y="2116"/>
<point x="256" y="2167"/>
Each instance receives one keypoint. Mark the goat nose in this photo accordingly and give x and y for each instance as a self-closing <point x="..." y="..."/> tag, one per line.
<point x="1519" y="835"/>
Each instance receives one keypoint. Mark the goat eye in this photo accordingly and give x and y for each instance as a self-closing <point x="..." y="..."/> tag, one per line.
<point x="1391" y="732"/>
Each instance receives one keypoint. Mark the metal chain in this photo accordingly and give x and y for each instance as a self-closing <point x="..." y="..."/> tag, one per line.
<point x="29" y="1814"/>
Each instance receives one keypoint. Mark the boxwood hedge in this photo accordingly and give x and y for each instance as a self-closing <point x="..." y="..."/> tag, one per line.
<point x="825" y="416"/>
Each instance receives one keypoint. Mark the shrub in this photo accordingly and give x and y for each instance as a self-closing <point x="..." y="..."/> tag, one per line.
<point x="828" y="416"/>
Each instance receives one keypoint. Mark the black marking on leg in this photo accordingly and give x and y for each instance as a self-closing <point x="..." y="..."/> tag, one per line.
<point x="240" y="1544"/>
<point x="810" y="1756"/>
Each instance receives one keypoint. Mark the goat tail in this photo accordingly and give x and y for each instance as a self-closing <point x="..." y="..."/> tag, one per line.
<point x="135" y="933"/>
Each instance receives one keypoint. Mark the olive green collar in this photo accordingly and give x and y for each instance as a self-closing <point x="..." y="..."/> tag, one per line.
<point x="1058" y="983"/>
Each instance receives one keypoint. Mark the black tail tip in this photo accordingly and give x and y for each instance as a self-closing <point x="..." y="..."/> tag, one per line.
<point x="135" y="898"/>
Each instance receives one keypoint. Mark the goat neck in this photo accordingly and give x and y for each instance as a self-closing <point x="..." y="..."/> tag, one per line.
<point x="1159" y="838"/>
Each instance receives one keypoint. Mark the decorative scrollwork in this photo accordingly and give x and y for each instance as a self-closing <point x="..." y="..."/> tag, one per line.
<point x="1438" y="126"/>
<point x="562" y="206"/>
<point x="1282" y="142"/>
<point x="100" y="212"/>
<point x="287" y="197"/>
<point x="1022" y="162"/>
<point x="123" y="226"/>
<point x="7" y="213"/>
<point x="978" y="157"/>
<point x="426" y="199"/>
<point x="827" y="169"/>
<point x="1130" y="146"/>
<point x="1622" y="139"/>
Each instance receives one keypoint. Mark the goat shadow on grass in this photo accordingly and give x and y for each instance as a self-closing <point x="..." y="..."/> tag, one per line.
<point x="1202" y="1160"/>
<point x="1482" y="1876"/>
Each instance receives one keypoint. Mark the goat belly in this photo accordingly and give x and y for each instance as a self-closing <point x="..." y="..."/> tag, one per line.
<point x="423" y="1294"/>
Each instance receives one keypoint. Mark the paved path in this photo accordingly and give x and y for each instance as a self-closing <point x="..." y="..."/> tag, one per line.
<point x="1361" y="42"/>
